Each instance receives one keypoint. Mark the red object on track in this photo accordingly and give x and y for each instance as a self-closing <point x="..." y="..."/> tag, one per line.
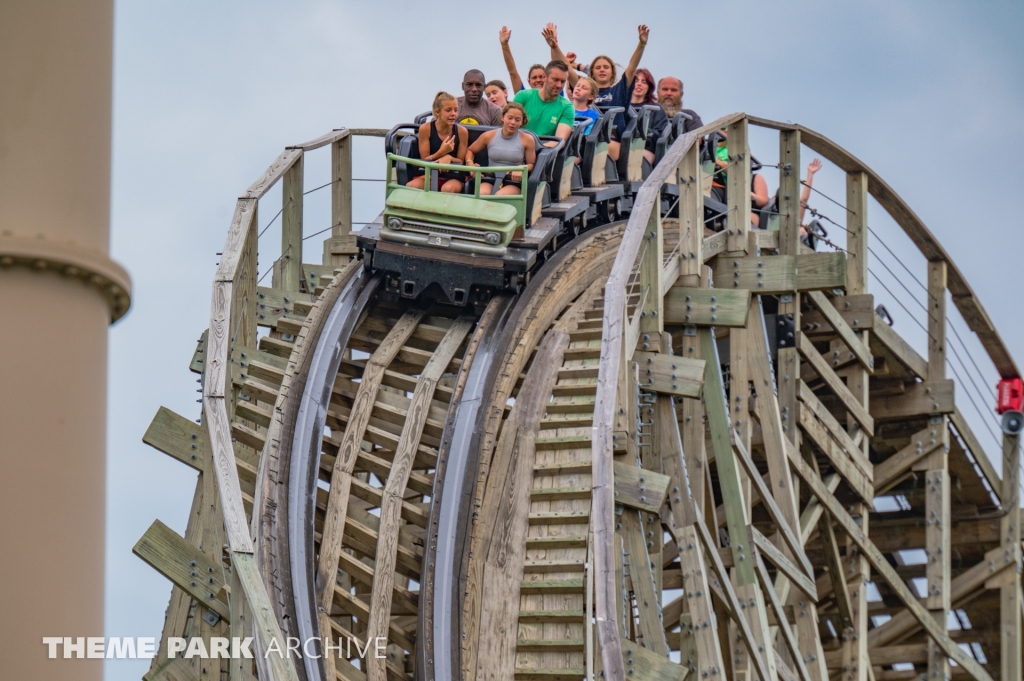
<point x="1010" y="395"/>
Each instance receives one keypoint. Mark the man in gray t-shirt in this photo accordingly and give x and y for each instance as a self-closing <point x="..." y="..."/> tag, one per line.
<point x="474" y="108"/>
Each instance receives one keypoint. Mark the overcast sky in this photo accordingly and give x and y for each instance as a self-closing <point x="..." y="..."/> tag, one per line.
<point x="927" y="93"/>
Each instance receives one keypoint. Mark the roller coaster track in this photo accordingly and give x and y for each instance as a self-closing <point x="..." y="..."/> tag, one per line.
<point x="661" y="458"/>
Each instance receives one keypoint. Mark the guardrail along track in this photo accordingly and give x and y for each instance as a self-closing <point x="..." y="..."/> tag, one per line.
<point x="675" y="453"/>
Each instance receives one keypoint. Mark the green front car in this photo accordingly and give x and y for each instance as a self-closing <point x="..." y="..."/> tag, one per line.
<point x="472" y="224"/>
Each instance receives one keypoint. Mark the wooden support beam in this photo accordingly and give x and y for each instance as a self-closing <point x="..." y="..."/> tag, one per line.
<point x="919" y="399"/>
<point x="706" y="306"/>
<point x="936" y="320"/>
<point x="781" y="620"/>
<point x="695" y="585"/>
<point x="729" y="478"/>
<point x="731" y="600"/>
<point x="177" y="560"/>
<point x="652" y="313"/>
<point x="691" y="218"/>
<point x="395" y="489"/>
<point x="290" y="263"/>
<point x="738" y="186"/>
<point x="853" y="406"/>
<point x="664" y="373"/>
<point x="342" y="244"/>
<point x="970" y="440"/>
<point x="857" y="346"/>
<point x="881" y="564"/>
<point x="639" y="488"/>
<point x="829" y="436"/>
<point x="789" y="191"/>
<point x="922" y="444"/>
<point x="648" y="599"/>
<point x="336" y="515"/>
<point x="1010" y="603"/>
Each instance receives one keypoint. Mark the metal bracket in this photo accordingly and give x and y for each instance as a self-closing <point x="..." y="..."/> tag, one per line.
<point x="786" y="331"/>
<point x="211" y="617"/>
<point x="689" y="329"/>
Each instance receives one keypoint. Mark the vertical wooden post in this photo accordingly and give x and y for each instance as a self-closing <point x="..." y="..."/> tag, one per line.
<point x="936" y="467"/>
<point x="857" y="237"/>
<point x="691" y="269"/>
<point x="691" y="219"/>
<point x="738" y="187"/>
<point x="341" y="244"/>
<point x="651" y="292"/>
<point x="789" y="192"/>
<point x="291" y="227"/>
<point x="788" y="370"/>
<point x="1009" y="592"/>
<point x="855" y="642"/>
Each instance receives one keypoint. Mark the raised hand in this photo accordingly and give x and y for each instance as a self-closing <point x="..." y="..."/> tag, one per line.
<point x="503" y="35"/>
<point x="814" y="166"/>
<point x="644" y="33"/>
<point x="550" y="33"/>
<point x="571" y="56"/>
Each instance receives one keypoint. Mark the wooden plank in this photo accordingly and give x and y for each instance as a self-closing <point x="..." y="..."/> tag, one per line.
<point x="290" y="261"/>
<point x="738" y="187"/>
<point x="186" y="566"/>
<point x="691" y="217"/>
<point x="835" y="384"/>
<point x="784" y="564"/>
<point x="706" y="307"/>
<point x="970" y="440"/>
<point x="936" y="320"/>
<point x="713" y="245"/>
<point x="730" y="598"/>
<point x="762" y="274"/>
<point x="642" y="663"/>
<point x="272" y="174"/>
<point x="395" y="490"/>
<point x="858" y="311"/>
<point x="781" y="620"/>
<point x="788" y="536"/>
<point x="178" y="437"/>
<point x="789" y="191"/>
<point x="919" y="399"/>
<point x="848" y="336"/>
<point x="510" y="482"/>
<point x="833" y="428"/>
<point x="900" y="348"/>
<point x="695" y="585"/>
<point x="648" y="601"/>
<point x="922" y="443"/>
<point x="881" y="564"/>
<point x="652" y="257"/>
<point x="669" y="374"/>
<point x="341" y="477"/>
<point x="820" y="271"/>
<point x="640" y="488"/>
<point x="720" y="425"/>
<point x="846" y="459"/>
<point x="1010" y="603"/>
<point x="236" y="526"/>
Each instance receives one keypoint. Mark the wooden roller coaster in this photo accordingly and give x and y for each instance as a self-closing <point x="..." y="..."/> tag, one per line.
<point x="660" y="458"/>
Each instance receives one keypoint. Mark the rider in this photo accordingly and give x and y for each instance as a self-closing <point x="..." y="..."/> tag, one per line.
<point x="442" y="140"/>
<point x="474" y="109"/>
<point x="548" y="112"/>
<point x="508" y="146"/>
<point x="583" y="99"/>
<point x="496" y="93"/>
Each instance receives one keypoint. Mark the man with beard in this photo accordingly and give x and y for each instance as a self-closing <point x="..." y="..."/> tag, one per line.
<point x="670" y="97"/>
<point x="474" y="108"/>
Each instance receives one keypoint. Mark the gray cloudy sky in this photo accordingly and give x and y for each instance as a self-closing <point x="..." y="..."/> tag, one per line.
<point x="928" y="93"/>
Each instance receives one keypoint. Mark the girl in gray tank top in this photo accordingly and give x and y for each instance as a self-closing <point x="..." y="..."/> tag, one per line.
<point x="507" y="146"/>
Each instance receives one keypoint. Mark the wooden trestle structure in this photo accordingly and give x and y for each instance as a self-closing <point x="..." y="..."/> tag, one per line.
<point x="608" y="475"/>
